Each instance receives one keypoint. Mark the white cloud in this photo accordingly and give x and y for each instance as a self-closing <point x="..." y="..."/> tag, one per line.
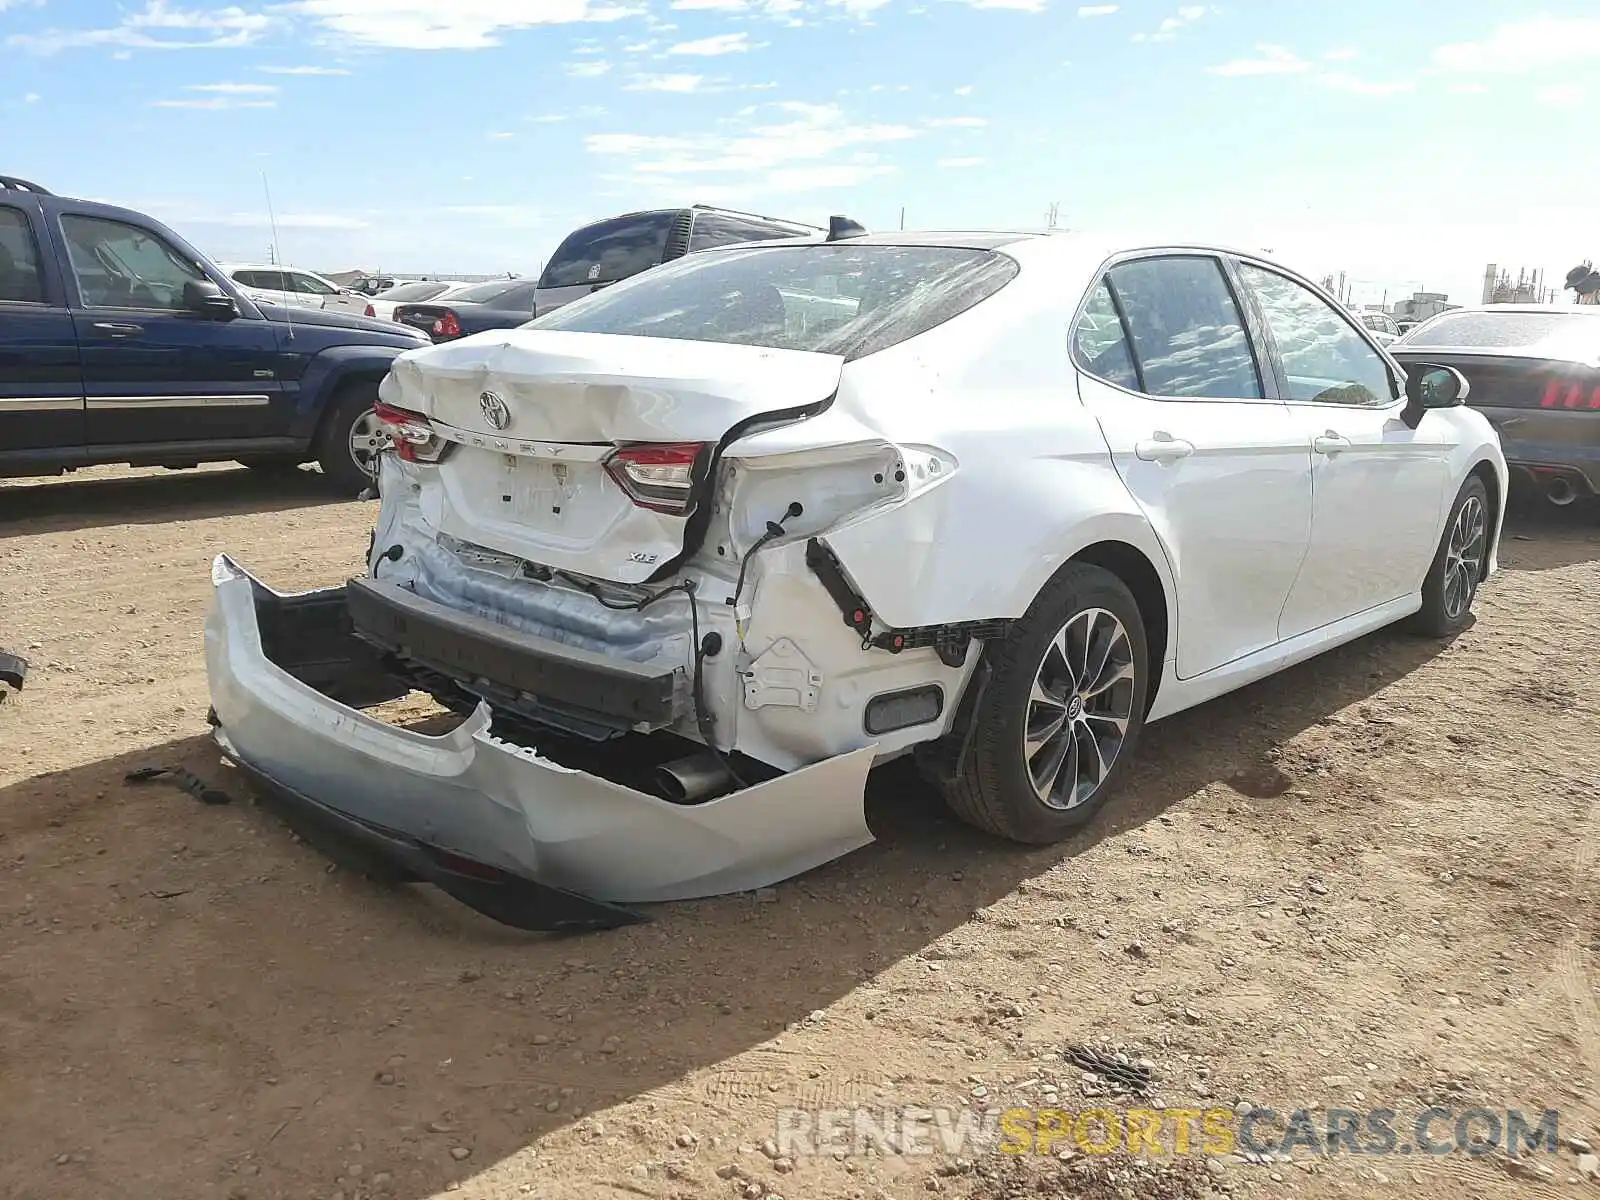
<point x="858" y="8"/>
<point x="964" y="91"/>
<point x="1272" y="60"/>
<point x="157" y="26"/>
<point x="1342" y="54"/>
<point x="1032" y="6"/>
<point x="1357" y="86"/>
<point x="1469" y="89"/>
<point x="31" y="98"/>
<point x="1562" y="95"/>
<point x="957" y="122"/>
<point x="450" y="25"/>
<point x="681" y="84"/>
<point x="805" y="179"/>
<point x="800" y="152"/>
<point x="1096" y="10"/>
<point x="234" y="89"/>
<point x="959" y="163"/>
<point x="718" y="5"/>
<point x="304" y="70"/>
<point x="1522" y="46"/>
<point x="501" y="135"/>
<point x="219" y="96"/>
<point x="710" y="47"/>
<point x="548" y="118"/>
<point x="588" y="70"/>
<point x="1173" y="25"/>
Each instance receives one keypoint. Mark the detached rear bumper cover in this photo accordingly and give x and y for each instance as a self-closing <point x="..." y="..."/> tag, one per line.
<point x="470" y="793"/>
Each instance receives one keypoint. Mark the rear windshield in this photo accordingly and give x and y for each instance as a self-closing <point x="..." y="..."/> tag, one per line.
<point x="1508" y="330"/>
<point x="414" y="291"/>
<point x="844" y="299"/>
<point x="609" y="250"/>
<point x="483" y="293"/>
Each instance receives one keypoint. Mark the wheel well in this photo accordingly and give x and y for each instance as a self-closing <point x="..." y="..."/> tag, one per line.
<point x="344" y="384"/>
<point x="1135" y="570"/>
<point x="1484" y="470"/>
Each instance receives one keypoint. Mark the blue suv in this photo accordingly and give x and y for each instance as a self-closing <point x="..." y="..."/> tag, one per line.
<point x="121" y="343"/>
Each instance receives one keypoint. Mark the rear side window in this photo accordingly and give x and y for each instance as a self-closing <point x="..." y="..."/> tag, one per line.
<point x="1188" y="338"/>
<point x="20" y="280"/>
<point x="501" y="293"/>
<point x="1099" y="343"/>
<point x="271" y="281"/>
<point x="846" y="299"/>
<point x="609" y="250"/>
<point x="721" y="229"/>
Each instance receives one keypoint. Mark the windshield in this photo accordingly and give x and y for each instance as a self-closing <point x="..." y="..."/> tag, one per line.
<point x="1555" y="332"/>
<point x="844" y="299"/>
<point x="415" y="291"/>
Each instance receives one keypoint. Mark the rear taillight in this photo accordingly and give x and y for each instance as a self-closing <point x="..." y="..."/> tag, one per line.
<point x="413" y="437"/>
<point x="371" y="312"/>
<point x="660" y="478"/>
<point x="447" y="326"/>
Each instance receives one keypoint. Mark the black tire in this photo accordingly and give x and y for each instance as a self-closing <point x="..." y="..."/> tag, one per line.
<point x="1446" y="606"/>
<point x="993" y="789"/>
<point x="334" y="455"/>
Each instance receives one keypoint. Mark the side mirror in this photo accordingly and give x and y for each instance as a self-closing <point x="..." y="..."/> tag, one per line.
<point x="208" y="300"/>
<point x="1431" y="386"/>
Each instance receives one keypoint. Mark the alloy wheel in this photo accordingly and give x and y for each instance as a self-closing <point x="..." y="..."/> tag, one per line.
<point x="1463" y="557"/>
<point x="1079" y="709"/>
<point x="367" y="440"/>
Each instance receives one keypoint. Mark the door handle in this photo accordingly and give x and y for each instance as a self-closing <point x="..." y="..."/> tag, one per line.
<point x="1163" y="448"/>
<point x="119" y="330"/>
<point x="1329" y="443"/>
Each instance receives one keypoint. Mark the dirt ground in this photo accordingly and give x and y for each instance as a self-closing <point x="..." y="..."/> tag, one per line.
<point x="1369" y="882"/>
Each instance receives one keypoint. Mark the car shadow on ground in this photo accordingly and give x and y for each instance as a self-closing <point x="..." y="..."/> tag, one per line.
<point x="71" y="503"/>
<point x="270" y="1012"/>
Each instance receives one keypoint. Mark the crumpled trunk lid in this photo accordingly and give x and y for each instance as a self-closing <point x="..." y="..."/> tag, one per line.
<point x="535" y="414"/>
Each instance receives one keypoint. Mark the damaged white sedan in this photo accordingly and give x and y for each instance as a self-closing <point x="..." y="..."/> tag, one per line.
<point x="689" y="556"/>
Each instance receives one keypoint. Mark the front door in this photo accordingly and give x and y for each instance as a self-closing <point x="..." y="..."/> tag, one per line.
<point x="1212" y="458"/>
<point x="1377" y="487"/>
<point x="41" y="382"/>
<point x="153" y="371"/>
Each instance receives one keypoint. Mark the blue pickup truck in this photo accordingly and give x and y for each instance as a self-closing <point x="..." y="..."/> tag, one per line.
<point x="121" y="343"/>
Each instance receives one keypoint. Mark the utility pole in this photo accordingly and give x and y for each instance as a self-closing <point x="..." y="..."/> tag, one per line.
<point x="902" y="216"/>
<point x="1052" y="213"/>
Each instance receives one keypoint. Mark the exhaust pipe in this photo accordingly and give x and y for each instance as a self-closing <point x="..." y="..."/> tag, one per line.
<point x="693" y="778"/>
<point x="1560" y="492"/>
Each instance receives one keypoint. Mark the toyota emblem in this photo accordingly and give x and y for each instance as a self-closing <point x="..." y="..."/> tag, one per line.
<point x="494" y="410"/>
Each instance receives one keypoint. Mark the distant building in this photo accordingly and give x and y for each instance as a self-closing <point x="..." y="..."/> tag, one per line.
<point x="1527" y="288"/>
<point x="1420" y="306"/>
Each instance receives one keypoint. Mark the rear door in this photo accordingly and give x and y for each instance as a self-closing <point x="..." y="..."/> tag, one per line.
<point x="605" y="252"/>
<point x="1377" y="486"/>
<point x="153" y="371"/>
<point x="41" y="382"/>
<point x="1210" y="454"/>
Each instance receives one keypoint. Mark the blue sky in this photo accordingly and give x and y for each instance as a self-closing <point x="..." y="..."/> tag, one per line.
<point x="1406" y="144"/>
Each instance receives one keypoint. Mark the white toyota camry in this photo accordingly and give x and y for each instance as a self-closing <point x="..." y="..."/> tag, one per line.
<point x="689" y="556"/>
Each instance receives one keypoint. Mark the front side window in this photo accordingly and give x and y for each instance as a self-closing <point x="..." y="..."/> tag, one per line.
<point x="1325" y="359"/>
<point x="846" y="299"/>
<point x="122" y="266"/>
<point x="609" y="250"/>
<point x="310" y="285"/>
<point x="20" y="280"/>
<point x="1099" y="343"/>
<point x="1189" y="340"/>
